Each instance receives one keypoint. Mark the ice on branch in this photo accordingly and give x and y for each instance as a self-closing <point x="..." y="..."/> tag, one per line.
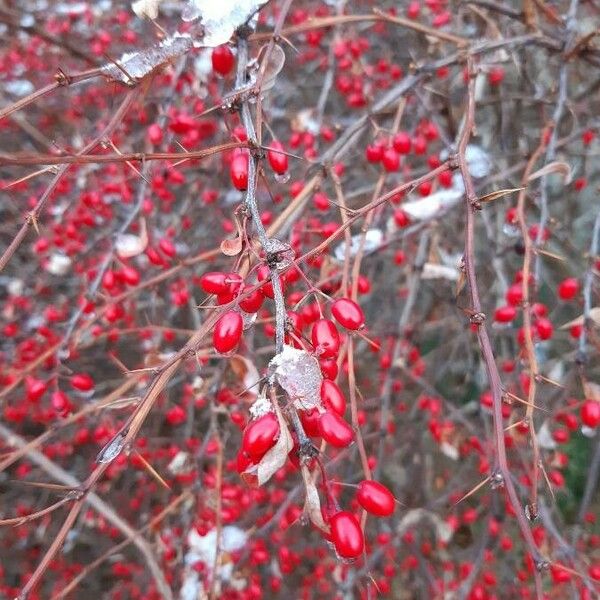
<point x="134" y="66"/>
<point x="298" y="373"/>
<point x="220" y="19"/>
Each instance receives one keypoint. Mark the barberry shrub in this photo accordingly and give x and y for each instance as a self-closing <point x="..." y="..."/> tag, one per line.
<point x="299" y="299"/>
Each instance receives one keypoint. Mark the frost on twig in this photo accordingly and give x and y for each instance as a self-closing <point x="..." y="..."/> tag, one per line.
<point x="220" y="18"/>
<point x="134" y="66"/>
<point x="298" y="373"/>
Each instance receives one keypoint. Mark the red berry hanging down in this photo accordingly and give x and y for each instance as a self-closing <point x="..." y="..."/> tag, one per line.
<point x="228" y="332"/>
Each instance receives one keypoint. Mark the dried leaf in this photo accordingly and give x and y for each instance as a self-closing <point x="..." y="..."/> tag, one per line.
<point x="550" y="255"/>
<point x="594" y="315"/>
<point x="276" y="63"/>
<point x="433" y="271"/>
<point x="592" y="390"/>
<point x="129" y="245"/>
<point x="246" y="372"/>
<point x="231" y="247"/>
<point x="499" y="194"/>
<point x="554" y="167"/>
<point x="312" y="502"/>
<point x="146" y="8"/>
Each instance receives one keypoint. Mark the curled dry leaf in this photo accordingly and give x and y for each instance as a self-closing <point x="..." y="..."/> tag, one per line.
<point x="231" y="247"/>
<point x="413" y="518"/>
<point x="276" y="63"/>
<point x="435" y="271"/>
<point x="129" y="245"/>
<point x="591" y="390"/>
<point x="312" y="502"/>
<point x="247" y="373"/>
<point x="594" y="315"/>
<point x="554" y="167"/>
<point x="275" y="458"/>
<point x="499" y="194"/>
<point x="146" y="8"/>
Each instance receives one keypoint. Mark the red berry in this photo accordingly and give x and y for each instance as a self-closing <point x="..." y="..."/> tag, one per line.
<point x="346" y="535"/>
<point x="82" y="382"/>
<point x="260" y="435"/>
<point x="310" y="422"/>
<point x="176" y="415"/>
<point x="329" y="368"/>
<point x="390" y="160"/>
<point x="514" y="294"/>
<point x="253" y="302"/>
<point x="568" y="288"/>
<point x="321" y="201"/>
<point x="214" y="282"/>
<point x="590" y="413"/>
<point x="401" y="142"/>
<point x="332" y="397"/>
<point x="505" y="314"/>
<point x="155" y="134"/>
<point x="374" y="153"/>
<point x="348" y="313"/>
<point x="277" y="160"/>
<point x="401" y="218"/>
<point x="222" y="59"/>
<point x="238" y="171"/>
<point x="496" y="75"/>
<point x="325" y="338"/>
<point x="544" y="329"/>
<point x="228" y="331"/>
<point x="334" y="430"/>
<point x="375" y="498"/>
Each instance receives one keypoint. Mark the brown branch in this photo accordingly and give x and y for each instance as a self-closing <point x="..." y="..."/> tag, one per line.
<point x="501" y="476"/>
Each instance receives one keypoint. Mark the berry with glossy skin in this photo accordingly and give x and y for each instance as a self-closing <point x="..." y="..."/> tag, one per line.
<point x="228" y="331"/>
<point x="332" y="397"/>
<point x="219" y="283"/>
<point x="346" y="535"/>
<point x="348" y="313"/>
<point x="329" y="368"/>
<point x="334" y="430"/>
<point x="590" y="413"/>
<point x="222" y="60"/>
<point x="568" y="288"/>
<point x="325" y="338"/>
<point x="238" y="171"/>
<point x="277" y="160"/>
<point x="253" y="302"/>
<point x="375" y="498"/>
<point x="260" y="435"/>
